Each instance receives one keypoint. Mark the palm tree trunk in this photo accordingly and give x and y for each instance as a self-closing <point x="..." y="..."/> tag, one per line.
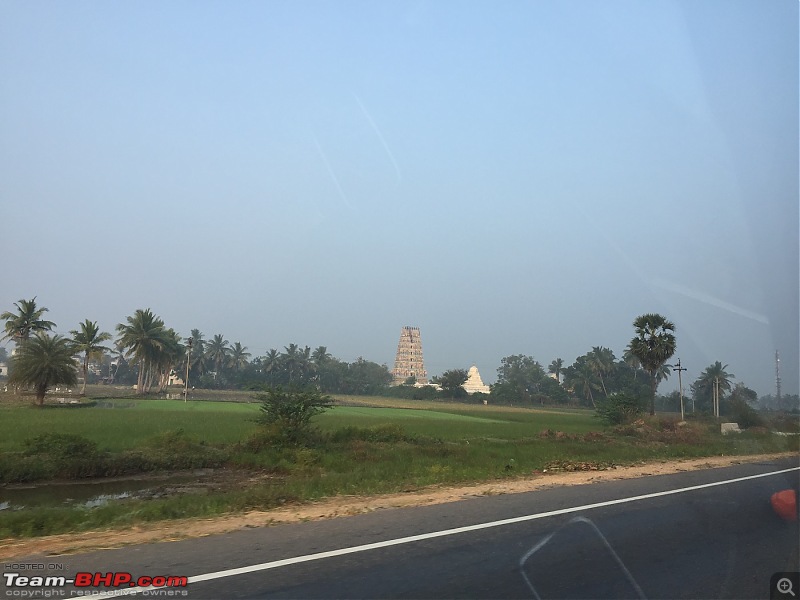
<point x="654" y="385"/>
<point x="85" y="373"/>
<point x="149" y="384"/>
<point x="140" y="379"/>
<point x="163" y="378"/>
<point x="41" y="390"/>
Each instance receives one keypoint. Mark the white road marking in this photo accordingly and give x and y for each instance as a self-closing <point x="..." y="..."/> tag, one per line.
<point x="437" y="534"/>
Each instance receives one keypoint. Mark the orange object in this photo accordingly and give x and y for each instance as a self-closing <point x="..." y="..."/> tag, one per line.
<point x="785" y="504"/>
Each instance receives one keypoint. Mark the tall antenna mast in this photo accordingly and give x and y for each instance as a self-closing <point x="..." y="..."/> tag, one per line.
<point x="778" y="375"/>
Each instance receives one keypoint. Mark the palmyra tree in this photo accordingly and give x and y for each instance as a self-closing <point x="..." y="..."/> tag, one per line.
<point x="653" y="345"/>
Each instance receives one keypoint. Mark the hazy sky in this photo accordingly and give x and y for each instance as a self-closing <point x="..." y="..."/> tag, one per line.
<point x="512" y="177"/>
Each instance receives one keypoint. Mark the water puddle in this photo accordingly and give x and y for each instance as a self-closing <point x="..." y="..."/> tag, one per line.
<point x="94" y="493"/>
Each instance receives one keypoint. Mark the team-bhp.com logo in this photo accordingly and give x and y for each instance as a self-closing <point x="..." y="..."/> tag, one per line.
<point x="94" y="581"/>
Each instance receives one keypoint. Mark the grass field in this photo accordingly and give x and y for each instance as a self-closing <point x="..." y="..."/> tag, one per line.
<point x="366" y="446"/>
<point x="122" y="423"/>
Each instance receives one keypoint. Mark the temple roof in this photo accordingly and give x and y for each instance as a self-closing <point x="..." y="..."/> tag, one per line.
<point x="474" y="383"/>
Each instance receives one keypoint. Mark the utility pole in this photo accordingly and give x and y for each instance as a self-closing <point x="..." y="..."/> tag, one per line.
<point x="716" y="397"/>
<point x="778" y="377"/>
<point x="188" y="363"/>
<point x="679" y="368"/>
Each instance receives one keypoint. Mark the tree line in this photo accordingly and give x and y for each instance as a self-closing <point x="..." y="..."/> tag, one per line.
<point x="149" y="354"/>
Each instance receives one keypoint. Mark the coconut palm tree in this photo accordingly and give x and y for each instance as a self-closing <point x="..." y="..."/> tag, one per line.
<point x="632" y="361"/>
<point x="42" y="362"/>
<point x="703" y="387"/>
<point x="197" y="358"/>
<point x="166" y="359"/>
<point x="323" y="363"/>
<point x="320" y="356"/>
<point x="217" y="352"/>
<point x="143" y="338"/>
<point x="27" y="320"/>
<point x="579" y="378"/>
<point x="238" y="356"/>
<point x="307" y="366"/>
<point x="89" y="339"/>
<point x="601" y="362"/>
<point x="291" y="361"/>
<point x="653" y="345"/>
<point x="555" y="368"/>
<point x="117" y="360"/>
<point x="271" y="364"/>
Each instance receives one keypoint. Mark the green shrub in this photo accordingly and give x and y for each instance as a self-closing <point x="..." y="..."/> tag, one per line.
<point x="15" y="468"/>
<point x="267" y="436"/>
<point x="60" y="445"/>
<point x="174" y="440"/>
<point x="57" y="455"/>
<point x="742" y="413"/>
<point x="619" y="409"/>
<point x="289" y="412"/>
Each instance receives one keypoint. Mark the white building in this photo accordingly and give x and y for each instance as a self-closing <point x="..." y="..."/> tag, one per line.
<point x="474" y="383"/>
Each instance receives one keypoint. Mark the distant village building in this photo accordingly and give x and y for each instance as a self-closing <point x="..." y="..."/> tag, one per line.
<point x="474" y="383"/>
<point x="409" y="362"/>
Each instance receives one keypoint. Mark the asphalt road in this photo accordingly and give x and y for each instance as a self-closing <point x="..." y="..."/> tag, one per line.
<point x="604" y="541"/>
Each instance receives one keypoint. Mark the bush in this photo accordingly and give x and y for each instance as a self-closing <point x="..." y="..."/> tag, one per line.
<point x="426" y="392"/>
<point x="745" y="415"/>
<point x="58" y="455"/>
<point x="22" y="469"/>
<point x="289" y="412"/>
<point x="619" y="409"/>
<point x="60" y="445"/>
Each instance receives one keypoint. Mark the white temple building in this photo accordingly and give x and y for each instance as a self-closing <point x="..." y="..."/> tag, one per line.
<point x="474" y="383"/>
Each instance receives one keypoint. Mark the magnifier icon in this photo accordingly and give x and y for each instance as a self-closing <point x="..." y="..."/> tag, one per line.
<point x="784" y="586"/>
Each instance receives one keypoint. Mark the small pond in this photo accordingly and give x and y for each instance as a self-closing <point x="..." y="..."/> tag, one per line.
<point x="97" y="492"/>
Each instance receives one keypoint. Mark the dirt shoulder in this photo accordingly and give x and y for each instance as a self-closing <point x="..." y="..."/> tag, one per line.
<point x="344" y="506"/>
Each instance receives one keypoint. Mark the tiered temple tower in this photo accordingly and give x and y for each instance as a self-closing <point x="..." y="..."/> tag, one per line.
<point x="409" y="361"/>
<point x="474" y="383"/>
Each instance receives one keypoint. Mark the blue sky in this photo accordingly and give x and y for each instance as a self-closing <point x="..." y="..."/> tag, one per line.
<point x="515" y="177"/>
